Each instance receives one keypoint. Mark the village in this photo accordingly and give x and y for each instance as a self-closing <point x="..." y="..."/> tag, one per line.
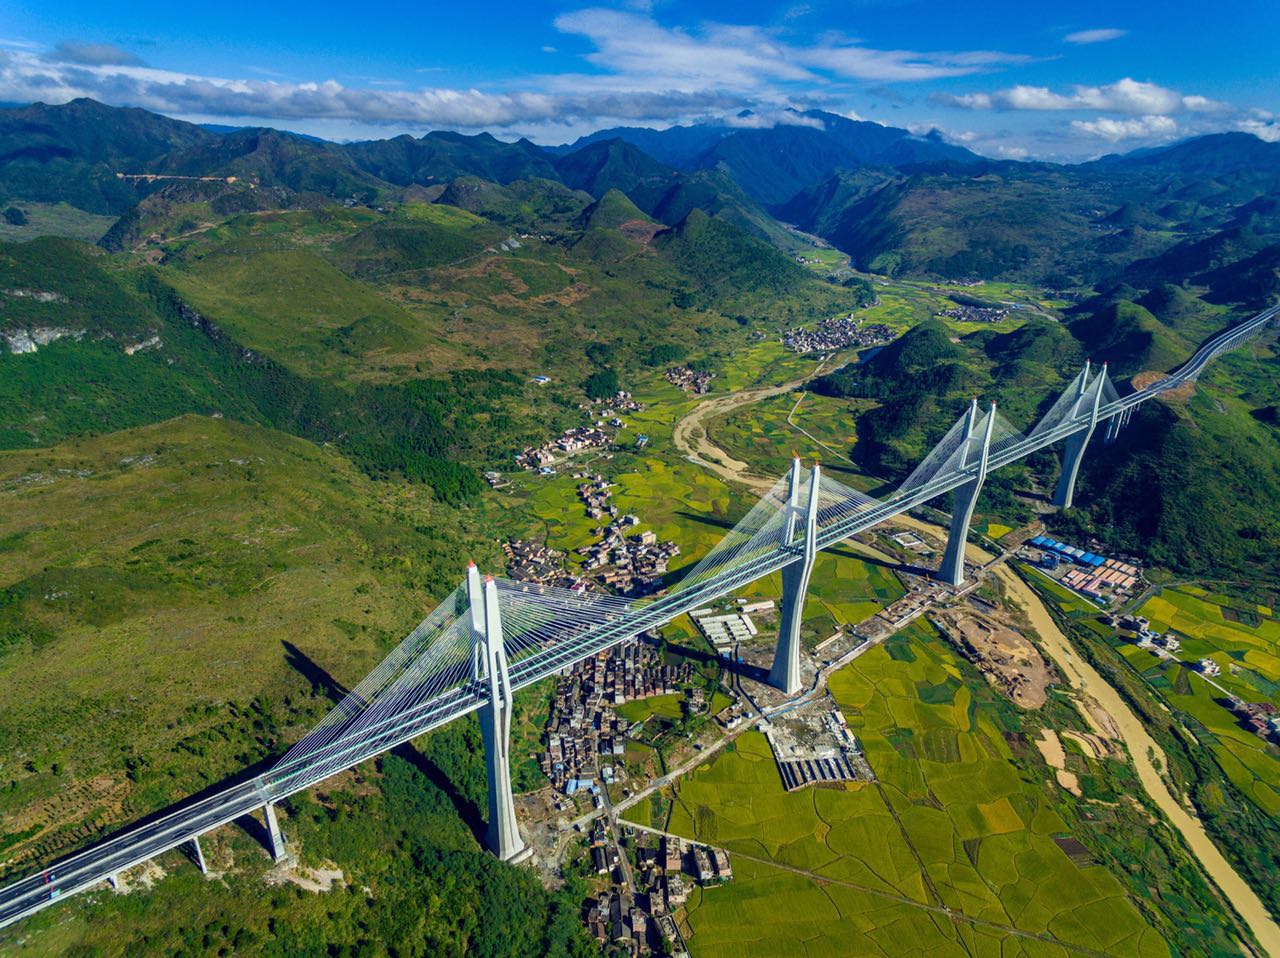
<point x="637" y="910"/>
<point x="586" y="739"/>
<point x="1260" y="718"/>
<point x="976" y="314"/>
<point x="838" y="333"/>
<point x="606" y="415"/>
<point x="630" y="564"/>
<point x="695" y="381"/>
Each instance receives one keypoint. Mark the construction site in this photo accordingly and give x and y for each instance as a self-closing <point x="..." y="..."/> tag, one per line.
<point x="813" y="745"/>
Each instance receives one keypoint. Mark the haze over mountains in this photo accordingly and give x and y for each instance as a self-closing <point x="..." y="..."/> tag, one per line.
<point x="896" y="202"/>
<point x="299" y="366"/>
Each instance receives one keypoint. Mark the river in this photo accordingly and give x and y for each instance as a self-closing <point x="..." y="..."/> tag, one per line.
<point x="692" y="438"/>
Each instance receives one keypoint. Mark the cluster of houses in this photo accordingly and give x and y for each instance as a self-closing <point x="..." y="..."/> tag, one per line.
<point x="1262" y="718"/>
<point x="1166" y="644"/>
<point x="613" y="406"/>
<point x="534" y="562"/>
<point x="665" y="873"/>
<point x="837" y="333"/>
<point x="629" y="564"/>
<point x="584" y="735"/>
<point x="543" y="458"/>
<point x="1094" y="576"/>
<point x="976" y="314"/>
<point x="595" y="493"/>
<point x="693" y="381"/>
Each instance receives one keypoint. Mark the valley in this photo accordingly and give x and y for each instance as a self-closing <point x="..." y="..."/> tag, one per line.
<point x="255" y="429"/>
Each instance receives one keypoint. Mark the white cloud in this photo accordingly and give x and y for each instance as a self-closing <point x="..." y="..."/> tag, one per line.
<point x="1266" y="130"/>
<point x="25" y="77"/>
<point x="643" y="71"/>
<point x="1126" y="96"/>
<point x="94" y="54"/>
<point x="642" y="51"/>
<point x="1142" y="127"/>
<point x="1094" y="36"/>
<point x="768" y="119"/>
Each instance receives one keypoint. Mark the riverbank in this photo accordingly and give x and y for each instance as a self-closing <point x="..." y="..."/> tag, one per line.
<point x="1145" y="754"/>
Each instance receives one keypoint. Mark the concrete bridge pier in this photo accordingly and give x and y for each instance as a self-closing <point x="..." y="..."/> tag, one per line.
<point x="489" y="660"/>
<point x="274" y="835"/>
<point x="965" y="497"/>
<point x="785" y="674"/>
<point x="197" y="855"/>
<point x="1065" y="492"/>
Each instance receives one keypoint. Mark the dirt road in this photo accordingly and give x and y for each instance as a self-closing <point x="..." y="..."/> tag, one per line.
<point x="691" y="437"/>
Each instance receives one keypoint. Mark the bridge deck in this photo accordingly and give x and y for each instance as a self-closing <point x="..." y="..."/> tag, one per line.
<point x="147" y="839"/>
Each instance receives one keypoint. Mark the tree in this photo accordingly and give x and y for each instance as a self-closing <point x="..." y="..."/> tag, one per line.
<point x="15" y="217"/>
<point x="601" y="384"/>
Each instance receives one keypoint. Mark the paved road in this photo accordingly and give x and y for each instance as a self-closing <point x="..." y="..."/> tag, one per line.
<point x="148" y="839"/>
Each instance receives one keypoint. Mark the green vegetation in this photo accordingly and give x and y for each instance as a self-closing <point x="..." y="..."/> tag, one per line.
<point x="1230" y="781"/>
<point x="413" y="882"/>
<point x="961" y="818"/>
<point x="220" y="625"/>
<point x="601" y="384"/>
<point x="1245" y="641"/>
<point x="1193" y="484"/>
<point x="32" y="220"/>
<point x="250" y="461"/>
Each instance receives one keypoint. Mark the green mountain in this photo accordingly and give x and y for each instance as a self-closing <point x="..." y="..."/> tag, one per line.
<point x="72" y="153"/>
<point x="270" y="158"/>
<point x="723" y="261"/>
<point x="772" y="163"/>
<point x="612" y="210"/>
<point x="1131" y="339"/>
<point x="441" y="156"/>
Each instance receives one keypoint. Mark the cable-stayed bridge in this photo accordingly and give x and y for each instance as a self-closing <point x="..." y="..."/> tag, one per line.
<point x="492" y="636"/>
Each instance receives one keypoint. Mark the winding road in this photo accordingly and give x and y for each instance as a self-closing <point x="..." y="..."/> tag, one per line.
<point x="692" y="439"/>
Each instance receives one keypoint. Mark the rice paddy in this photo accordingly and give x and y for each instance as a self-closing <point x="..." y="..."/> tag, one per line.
<point x="951" y="829"/>
<point x="1244" y="640"/>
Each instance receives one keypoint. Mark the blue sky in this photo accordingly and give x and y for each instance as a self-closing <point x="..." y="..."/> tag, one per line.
<point x="1012" y="79"/>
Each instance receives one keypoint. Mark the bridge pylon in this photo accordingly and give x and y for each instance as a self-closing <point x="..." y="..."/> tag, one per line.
<point x="489" y="668"/>
<point x="1088" y="400"/>
<point x="965" y="497"/>
<point x="785" y="674"/>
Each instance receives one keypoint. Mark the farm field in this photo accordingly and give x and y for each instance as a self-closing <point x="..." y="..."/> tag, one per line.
<point x="1245" y="642"/>
<point x="952" y="823"/>
<point x="760" y="434"/>
<point x="56" y="219"/>
<point x="640" y="710"/>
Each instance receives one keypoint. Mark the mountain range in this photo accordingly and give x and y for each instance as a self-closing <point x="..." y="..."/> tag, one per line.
<point x="896" y="202"/>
